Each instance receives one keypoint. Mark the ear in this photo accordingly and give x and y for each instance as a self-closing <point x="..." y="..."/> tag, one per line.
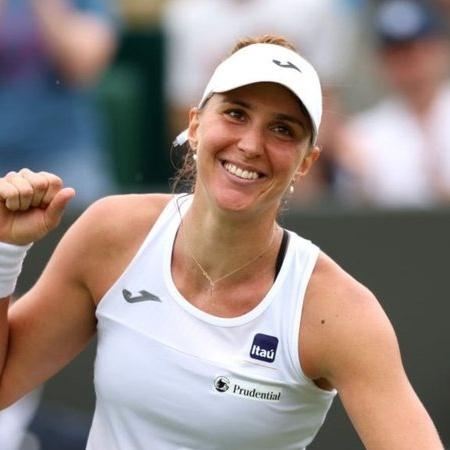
<point x="194" y="122"/>
<point x="310" y="158"/>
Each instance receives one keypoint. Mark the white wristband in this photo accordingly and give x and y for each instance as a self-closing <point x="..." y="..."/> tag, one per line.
<point x="11" y="259"/>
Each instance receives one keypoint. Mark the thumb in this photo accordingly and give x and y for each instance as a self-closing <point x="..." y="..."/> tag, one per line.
<point x="55" y="209"/>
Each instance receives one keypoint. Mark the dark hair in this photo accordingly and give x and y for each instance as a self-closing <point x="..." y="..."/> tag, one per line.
<point x="182" y="158"/>
<point x="182" y="155"/>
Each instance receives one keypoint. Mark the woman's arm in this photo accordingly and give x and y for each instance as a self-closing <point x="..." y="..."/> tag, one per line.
<point x="53" y="322"/>
<point x="356" y="351"/>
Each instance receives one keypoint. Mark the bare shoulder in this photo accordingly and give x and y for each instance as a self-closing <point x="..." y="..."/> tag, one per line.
<point x="121" y="214"/>
<point x="107" y="236"/>
<point x="341" y="317"/>
<point x="347" y="342"/>
<point x="334" y="294"/>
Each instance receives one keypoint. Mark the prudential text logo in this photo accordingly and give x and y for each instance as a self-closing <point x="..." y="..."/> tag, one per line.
<point x="247" y="389"/>
<point x="264" y="347"/>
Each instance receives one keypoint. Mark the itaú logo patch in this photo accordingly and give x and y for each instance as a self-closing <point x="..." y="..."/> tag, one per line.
<point x="264" y="347"/>
<point x="247" y="389"/>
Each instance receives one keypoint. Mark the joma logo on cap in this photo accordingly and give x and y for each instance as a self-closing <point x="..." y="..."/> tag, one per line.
<point x="286" y="65"/>
<point x="264" y="347"/>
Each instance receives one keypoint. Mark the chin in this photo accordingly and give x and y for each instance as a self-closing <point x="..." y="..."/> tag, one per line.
<point x="231" y="200"/>
<point x="243" y="203"/>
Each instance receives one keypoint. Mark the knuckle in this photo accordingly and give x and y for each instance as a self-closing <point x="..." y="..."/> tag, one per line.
<point x="53" y="180"/>
<point x="25" y="171"/>
<point x="11" y="191"/>
<point x="8" y="192"/>
<point x="41" y="183"/>
<point x="32" y="177"/>
<point x="26" y="192"/>
<point x="12" y="204"/>
<point x="57" y="182"/>
<point x="10" y="175"/>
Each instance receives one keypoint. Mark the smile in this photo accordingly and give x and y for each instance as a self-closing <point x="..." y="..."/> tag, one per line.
<point x="240" y="173"/>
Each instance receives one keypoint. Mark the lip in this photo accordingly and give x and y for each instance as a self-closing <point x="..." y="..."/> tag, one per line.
<point x="243" y="166"/>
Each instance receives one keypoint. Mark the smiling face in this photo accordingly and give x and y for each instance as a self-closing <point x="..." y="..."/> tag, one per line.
<point x="251" y="143"/>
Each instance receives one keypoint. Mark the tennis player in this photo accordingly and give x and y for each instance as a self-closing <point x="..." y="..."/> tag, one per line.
<point x="217" y="329"/>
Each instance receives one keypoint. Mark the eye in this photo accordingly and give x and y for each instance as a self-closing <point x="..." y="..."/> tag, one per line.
<point x="283" y="130"/>
<point x="235" y="114"/>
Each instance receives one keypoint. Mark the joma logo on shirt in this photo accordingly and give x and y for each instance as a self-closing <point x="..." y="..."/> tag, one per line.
<point x="264" y="347"/>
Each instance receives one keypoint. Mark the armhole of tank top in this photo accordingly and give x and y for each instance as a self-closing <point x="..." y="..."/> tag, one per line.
<point x="160" y="221"/>
<point x="281" y="252"/>
<point x="307" y="270"/>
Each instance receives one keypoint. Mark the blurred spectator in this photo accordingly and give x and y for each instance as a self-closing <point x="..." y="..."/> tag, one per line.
<point x="51" y="53"/>
<point x="200" y="33"/>
<point x="399" y="151"/>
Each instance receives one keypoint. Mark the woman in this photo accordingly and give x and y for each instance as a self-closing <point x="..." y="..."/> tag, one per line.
<point x="216" y="328"/>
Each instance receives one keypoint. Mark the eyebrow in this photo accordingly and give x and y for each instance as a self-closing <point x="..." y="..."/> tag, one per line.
<point x="278" y="116"/>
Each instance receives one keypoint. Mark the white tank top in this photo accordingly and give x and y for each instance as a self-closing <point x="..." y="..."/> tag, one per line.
<point x="169" y="376"/>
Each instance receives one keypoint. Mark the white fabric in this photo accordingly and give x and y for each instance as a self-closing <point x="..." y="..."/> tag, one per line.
<point x="15" y="420"/>
<point x="270" y="63"/>
<point x="200" y="33"/>
<point x="403" y="159"/>
<point x="158" y="361"/>
<point x="11" y="260"/>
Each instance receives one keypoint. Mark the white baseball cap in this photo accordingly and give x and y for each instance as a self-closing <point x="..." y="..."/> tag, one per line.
<point x="258" y="63"/>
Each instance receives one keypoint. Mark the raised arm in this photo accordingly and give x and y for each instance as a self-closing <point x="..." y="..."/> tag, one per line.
<point x="51" y="323"/>
<point x="356" y="351"/>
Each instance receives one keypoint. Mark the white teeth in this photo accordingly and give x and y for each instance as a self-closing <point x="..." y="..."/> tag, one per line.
<point x="245" y="174"/>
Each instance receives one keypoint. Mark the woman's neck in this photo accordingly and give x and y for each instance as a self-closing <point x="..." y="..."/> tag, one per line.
<point x="219" y="242"/>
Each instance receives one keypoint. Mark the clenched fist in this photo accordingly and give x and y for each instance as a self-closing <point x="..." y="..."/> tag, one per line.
<point x="31" y="204"/>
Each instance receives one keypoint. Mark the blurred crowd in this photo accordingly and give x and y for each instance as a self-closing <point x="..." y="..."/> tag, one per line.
<point x="51" y="53"/>
<point x="396" y="152"/>
<point x="96" y="90"/>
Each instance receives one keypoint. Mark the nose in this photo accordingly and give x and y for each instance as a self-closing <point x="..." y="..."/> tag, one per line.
<point x="251" y="142"/>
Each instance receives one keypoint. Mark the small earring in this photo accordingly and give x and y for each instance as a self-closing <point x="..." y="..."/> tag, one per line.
<point x="291" y="189"/>
<point x="194" y="156"/>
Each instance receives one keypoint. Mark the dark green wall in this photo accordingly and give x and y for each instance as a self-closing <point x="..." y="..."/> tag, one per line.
<point x="402" y="257"/>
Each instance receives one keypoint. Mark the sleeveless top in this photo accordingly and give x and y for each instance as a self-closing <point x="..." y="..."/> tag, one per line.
<point x="169" y="376"/>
